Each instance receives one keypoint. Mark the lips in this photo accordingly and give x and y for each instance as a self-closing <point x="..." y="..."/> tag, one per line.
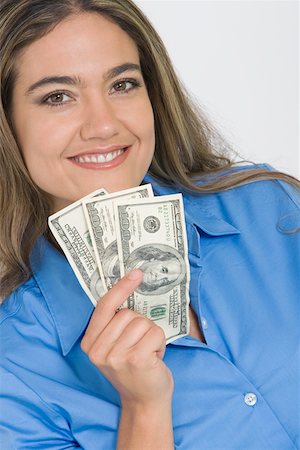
<point x="101" y="158"/>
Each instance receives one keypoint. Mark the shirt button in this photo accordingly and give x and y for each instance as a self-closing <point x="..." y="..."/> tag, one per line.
<point x="204" y="323"/>
<point x="250" y="399"/>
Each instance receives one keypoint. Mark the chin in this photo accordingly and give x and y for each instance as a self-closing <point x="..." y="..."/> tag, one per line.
<point x="120" y="186"/>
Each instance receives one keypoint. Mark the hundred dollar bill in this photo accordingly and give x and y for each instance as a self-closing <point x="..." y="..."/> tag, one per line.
<point x="70" y="229"/>
<point x="99" y="214"/>
<point x="151" y="235"/>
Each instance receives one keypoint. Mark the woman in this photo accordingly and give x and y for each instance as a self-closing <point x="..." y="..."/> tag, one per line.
<point x="89" y="99"/>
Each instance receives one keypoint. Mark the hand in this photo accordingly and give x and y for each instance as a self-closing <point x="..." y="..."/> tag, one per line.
<point x="128" y="348"/>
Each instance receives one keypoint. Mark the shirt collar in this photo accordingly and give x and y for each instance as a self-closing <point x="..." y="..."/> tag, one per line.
<point x="196" y="212"/>
<point x="69" y="306"/>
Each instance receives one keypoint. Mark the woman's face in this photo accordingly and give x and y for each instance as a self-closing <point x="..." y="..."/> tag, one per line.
<point x="81" y="111"/>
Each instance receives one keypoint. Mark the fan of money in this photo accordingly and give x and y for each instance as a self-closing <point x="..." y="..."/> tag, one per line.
<point x="104" y="236"/>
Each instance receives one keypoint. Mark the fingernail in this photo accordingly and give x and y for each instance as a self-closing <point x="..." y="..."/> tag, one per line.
<point x="135" y="274"/>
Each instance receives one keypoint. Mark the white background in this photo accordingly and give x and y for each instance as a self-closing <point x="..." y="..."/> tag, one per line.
<point x="241" y="60"/>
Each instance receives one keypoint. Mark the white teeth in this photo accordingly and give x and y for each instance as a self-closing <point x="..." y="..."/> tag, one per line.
<point x="110" y="156"/>
<point x="101" y="158"/>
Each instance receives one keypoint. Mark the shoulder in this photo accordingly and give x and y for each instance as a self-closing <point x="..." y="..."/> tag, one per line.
<point x="25" y="316"/>
<point x="248" y="189"/>
<point x="253" y="188"/>
<point x="271" y="187"/>
<point x="44" y="301"/>
<point x="26" y="296"/>
<point x="269" y="202"/>
<point x="265" y="200"/>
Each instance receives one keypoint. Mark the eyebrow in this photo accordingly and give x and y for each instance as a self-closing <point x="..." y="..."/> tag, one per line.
<point x="76" y="81"/>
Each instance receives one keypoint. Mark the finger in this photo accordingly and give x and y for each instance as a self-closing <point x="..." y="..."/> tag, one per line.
<point x="154" y="341"/>
<point x="148" y="349"/>
<point x="132" y="332"/>
<point x="123" y="331"/>
<point x="106" y="308"/>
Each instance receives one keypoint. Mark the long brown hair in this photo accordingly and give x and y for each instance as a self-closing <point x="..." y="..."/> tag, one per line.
<point x="187" y="145"/>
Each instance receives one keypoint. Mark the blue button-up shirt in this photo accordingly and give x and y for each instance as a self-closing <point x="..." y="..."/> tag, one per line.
<point x="240" y="390"/>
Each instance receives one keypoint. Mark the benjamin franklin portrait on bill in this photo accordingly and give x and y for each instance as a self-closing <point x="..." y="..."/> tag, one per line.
<point x="163" y="267"/>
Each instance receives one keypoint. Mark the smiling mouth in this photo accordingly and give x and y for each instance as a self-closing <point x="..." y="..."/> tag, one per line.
<point x="99" y="158"/>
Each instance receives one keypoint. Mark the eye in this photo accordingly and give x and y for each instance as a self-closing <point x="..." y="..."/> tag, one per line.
<point x="124" y="86"/>
<point x="56" y="99"/>
<point x="164" y="269"/>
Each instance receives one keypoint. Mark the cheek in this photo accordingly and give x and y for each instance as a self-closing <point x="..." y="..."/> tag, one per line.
<point x="149" y="120"/>
<point x="40" y="140"/>
<point x="143" y="122"/>
<point x="148" y="134"/>
<point x="29" y="131"/>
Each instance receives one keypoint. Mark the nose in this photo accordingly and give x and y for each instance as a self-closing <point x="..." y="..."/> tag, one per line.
<point x="99" y="120"/>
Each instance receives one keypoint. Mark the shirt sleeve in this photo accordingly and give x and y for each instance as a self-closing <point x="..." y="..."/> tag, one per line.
<point x="26" y="421"/>
<point x="49" y="400"/>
